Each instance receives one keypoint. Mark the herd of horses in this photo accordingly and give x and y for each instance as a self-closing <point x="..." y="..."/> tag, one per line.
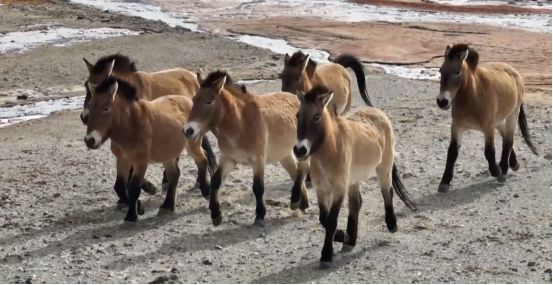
<point x="153" y="117"/>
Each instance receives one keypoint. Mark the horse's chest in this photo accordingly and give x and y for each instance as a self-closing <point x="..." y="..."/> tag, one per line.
<point x="237" y="152"/>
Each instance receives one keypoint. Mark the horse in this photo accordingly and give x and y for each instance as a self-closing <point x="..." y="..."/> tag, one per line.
<point x="251" y="130"/>
<point x="343" y="153"/>
<point x="149" y="86"/>
<point x="300" y="74"/>
<point x="144" y="132"/>
<point x="482" y="98"/>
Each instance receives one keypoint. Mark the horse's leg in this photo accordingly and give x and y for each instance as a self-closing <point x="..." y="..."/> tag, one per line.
<point x="173" y="173"/>
<point x="452" y="154"/>
<point x="349" y="238"/>
<point x="508" y="136"/>
<point x="329" y="218"/>
<point x="222" y="171"/>
<point x="195" y="150"/>
<point x="123" y="169"/>
<point x="297" y="171"/>
<point x="258" y="190"/>
<point x="489" y="152"/>
<point x="134" y="191"/>
<point x="513" y="162"/>
<point x="384" y="173"/>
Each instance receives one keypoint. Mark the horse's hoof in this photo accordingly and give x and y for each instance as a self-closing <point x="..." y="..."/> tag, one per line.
<point x="444" y="188"/>
<point x="130" y="220"/>
<point x="347" y="248"/>
<point x="495" y="172"/>
<point x="325" y="265"/>
<point x="308" y="184"/>
<point x="259" y="223"/>
<point x="165" y="211"/>
<point x="502" y="178"/>
<point x="515" y="167"/>
<point x="294" y="206"/>
<point x="140" y="209"/>
<point x="392" y="227"/>
<point x="217" y="220"/>
<point x="164" y="187"/>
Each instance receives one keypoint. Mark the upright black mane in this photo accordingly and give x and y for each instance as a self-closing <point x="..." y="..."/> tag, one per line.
<point x="122" y="64"/>
<point x="297" y="59"/>
<point x="216" y="75"/>
<point x="125" y="89"/>
<point x="312" y="95"/>
<point x="458" y="49"/>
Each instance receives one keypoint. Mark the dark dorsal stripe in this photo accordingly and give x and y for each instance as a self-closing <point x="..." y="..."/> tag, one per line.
<point x="312" y="95"/>
<point x="458" y="49"/>
<point x="122" y="64"/>
<point x="216" y="75"/>
<point x="124" y="89"/>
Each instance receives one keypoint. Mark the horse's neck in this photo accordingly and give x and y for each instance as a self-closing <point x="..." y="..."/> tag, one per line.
<point x="329" y="147"/>
<point x="232" y="114"/>
<point x="468" y="91"/>
<point x="124" y="128"/>
<point x="307" y="81"/>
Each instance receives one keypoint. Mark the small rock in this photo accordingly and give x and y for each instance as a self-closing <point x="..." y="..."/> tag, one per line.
<point x="218" y="247"/>
<point x="207" y="261"/>
<point x="174" y="270"/>
<point x="531" y="263"/>
<point x="548" y="271"/>
<point x="160" y="280"/>
<point x="22" y="97"/>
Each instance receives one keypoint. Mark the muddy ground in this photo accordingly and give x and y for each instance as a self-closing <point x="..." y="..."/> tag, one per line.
<point x="58" y="221"/>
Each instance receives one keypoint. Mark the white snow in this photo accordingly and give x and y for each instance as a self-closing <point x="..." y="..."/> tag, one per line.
<point x="21" y="113"/>
<point x="57" y="36"/>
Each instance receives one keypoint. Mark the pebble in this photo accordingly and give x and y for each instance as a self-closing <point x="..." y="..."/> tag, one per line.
<point x="218" y="247"/>
<point x="531" y="263"/>
<point x="207" y="261"/>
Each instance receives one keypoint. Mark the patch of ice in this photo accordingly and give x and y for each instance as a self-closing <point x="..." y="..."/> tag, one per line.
<point x="22" y="113"/>
<point x="22" y="41"/>
<point x="410" y="72"/>
<point x="149" y="12"/>
<point x="280" y="46"/>
<point x="526" y="4"/>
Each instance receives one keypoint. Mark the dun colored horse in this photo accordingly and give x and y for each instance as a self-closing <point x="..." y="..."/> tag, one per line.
<point x="143" y="132"/>
<point x="483" y="98"/>
<point x="344" y="152"/>
<point x="251" y="130"/>
<point x="177" y="81"/>
<point x="300" y="74"/>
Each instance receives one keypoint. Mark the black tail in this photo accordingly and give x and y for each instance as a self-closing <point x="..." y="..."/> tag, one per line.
<point x="211" y="158"/>
<point x="347" y="60"/>
<point x="400" y="190"/>
<point x="524" y="129"/>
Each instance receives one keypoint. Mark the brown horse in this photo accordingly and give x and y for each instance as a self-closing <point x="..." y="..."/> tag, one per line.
<point x="344" y="152"/>
<point x="149" y="86"/>
<point x="251" y="130"/>
<point x="144" y="132"/>
<point x="483" y="98"/>
<point x="300" y="74"/>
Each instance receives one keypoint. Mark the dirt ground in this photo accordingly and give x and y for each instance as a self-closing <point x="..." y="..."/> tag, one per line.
<point x="58" y="221"/>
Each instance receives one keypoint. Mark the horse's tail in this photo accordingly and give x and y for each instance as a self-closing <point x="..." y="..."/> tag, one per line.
<point x="347" y="60"/>
<point x="211" y="158"/>
<point x="524" y="129"/>
<point x="400" y="190"/>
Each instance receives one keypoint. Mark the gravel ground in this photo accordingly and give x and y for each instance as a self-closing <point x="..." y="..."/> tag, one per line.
<point x="58" y="221"/>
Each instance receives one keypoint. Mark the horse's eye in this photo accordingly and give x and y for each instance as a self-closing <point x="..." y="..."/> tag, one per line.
<point x="106" y="109"/>
<point x="298" y="78"/>
<point x="209" y="102"/>
<point x="317" y="118"/>
<point x="458" y="73"/>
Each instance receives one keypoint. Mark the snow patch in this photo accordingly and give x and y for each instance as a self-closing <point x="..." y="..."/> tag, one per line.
<point x="22" y="113"/>
<point x="58" y="36"/>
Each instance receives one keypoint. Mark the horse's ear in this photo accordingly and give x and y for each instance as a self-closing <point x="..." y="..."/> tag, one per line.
<point x="113" y="89"/>
<point x="464" y="55"/>
<point x="447" y="50"/>
<point x="286" y="58"/>
<point x="108" y="69"/>
<point x="305" y="62"/>
<point x="324" y="99"/>
<point x="199" y="77"/>
<point x="220" y="83"/>
<point x="89" y="65"/>
<point x="300" y="95"/>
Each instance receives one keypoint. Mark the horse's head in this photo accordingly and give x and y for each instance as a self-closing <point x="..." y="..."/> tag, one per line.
<point x="100" y="71"/>
<point x="102" y="112"/>
<point x="311" y="121"/>
<point x="294" y="67"/>
<point x="458" y="60"/>
<point x="206" y="110"/>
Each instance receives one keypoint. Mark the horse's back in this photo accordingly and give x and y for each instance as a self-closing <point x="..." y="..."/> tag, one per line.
<point x="336" y="78"/>
<point x="503" y="81"/>
<point x="174" y="107"/>
<point x="171" y="81"/>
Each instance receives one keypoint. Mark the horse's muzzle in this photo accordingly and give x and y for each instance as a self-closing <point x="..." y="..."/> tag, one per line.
<point x="444" y="104"/>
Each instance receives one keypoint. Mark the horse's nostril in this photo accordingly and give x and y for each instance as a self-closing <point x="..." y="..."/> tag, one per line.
<point x="300" y="152"/>
<point x="442" y="102"/>
<point x="89" y="141"/>
<point x="189" y="132"/>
